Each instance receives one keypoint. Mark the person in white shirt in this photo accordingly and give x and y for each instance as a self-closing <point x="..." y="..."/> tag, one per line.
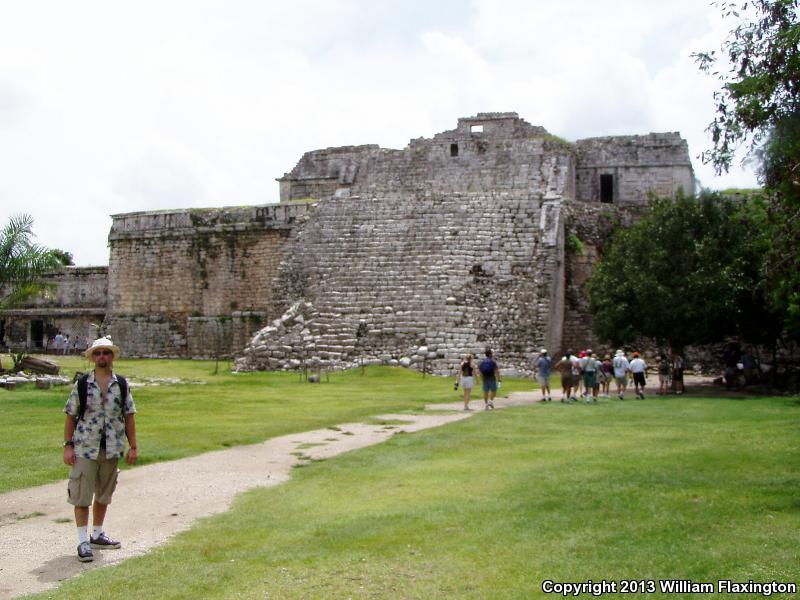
<point x="638" y="368"/>
<point x="621" y="368"/>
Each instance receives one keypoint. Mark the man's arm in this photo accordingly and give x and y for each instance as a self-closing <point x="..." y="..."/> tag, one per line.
<point x="130" y="433"/>
<point x="69" y="430"/>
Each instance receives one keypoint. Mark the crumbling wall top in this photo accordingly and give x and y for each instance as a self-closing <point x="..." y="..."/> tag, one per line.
<point x="653" y="149"/>
<point x="329" y="163"/>
<point x="493" y="124"/>
<point x="193" y="220"/>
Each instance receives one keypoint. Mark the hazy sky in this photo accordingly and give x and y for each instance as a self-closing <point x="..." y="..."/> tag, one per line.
<point x="109" y="107"/>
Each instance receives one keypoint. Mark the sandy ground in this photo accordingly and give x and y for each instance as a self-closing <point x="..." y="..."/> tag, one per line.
<point x="154" y="502"/>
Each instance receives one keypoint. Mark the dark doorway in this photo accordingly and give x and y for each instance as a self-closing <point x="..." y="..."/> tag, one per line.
<point x="607" y="188"/>
<point x="453" y="149"/>
<point x="37" y="333"/>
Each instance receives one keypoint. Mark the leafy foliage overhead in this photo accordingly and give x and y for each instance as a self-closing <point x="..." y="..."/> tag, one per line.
<point x="760" y="75"/>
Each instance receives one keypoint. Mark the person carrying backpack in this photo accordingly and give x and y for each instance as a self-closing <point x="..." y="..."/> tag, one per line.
<point x="490" y="373"/>
<point x="99" y="416"/>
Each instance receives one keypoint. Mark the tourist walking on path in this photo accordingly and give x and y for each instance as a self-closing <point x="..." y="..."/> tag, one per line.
<point x="638" y="368"/>
<point x="466" y="373"/>
<point x="568" y="367"/>
<point x="590" y="368"/>
<point x="664" y="372"/>
<point x="543" y="369"/>
<point x="606" y="375"/>
<point x="621" y="368"/>
<point x="677" y="373"/>
<point x="490" y="374"/>
<point x="99" y="416"/>
<point x="581" y="391"/>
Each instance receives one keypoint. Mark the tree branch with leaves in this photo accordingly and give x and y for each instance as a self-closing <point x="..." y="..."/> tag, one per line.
<point x="22" y="262"/>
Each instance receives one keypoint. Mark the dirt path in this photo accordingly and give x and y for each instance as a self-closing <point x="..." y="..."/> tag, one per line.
<point x="154" y="502"/>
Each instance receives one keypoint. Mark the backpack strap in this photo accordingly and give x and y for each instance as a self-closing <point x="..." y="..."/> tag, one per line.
<point x="123" y="389"/>
<point x="83" y="393"/>
<point x="83" y="387"/>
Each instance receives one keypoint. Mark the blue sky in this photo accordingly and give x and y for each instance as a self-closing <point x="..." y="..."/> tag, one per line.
<point x="111" y="107"/>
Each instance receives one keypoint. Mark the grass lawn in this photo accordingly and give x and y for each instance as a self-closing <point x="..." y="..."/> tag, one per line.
<point x="678" y="488"/>
<point x="175" y="421"/>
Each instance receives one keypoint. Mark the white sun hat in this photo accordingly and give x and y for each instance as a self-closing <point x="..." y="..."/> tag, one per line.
<point x="103" y="342"/>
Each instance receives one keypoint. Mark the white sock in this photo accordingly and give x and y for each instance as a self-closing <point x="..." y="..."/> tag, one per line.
<point x="83" y="535"/>
<point x="98" y="529"/>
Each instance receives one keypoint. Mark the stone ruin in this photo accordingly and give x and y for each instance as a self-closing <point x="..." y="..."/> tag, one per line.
<point x="450" y="245"/>
<point x="447" y="246"/>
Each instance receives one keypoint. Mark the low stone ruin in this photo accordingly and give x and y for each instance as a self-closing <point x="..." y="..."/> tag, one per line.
<point x="17" y="380"/>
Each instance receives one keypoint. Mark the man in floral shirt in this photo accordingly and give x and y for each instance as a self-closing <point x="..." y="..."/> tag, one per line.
<point x="94" y="443"/>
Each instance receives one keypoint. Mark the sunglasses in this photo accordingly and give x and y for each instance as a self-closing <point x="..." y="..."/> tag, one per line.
<point x="102" y="353"/>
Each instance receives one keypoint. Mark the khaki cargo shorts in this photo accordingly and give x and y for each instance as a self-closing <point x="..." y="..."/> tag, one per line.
<point x="92" y="478"/>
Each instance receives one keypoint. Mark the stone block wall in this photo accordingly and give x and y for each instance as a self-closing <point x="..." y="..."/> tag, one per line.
<point x="320" y="173"/>
<point x="74" y="303"/>
<point x="587" y="230"/>
<point x="169" y="267"/>
<point x="222" y="336"/>
<point x="532" y="165"/>
<point x="380" y="276"/>
<point x="638" y="165"/>
<point x="491" y="152"/>
<point x="84" y="287"/>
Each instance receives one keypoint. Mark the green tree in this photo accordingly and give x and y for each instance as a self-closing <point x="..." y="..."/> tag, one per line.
<point x="684" y="274"/>
<point x="760" y="84"/>
<point x="780" y="173"/>
<point x="22" y="262"/>
<point x="65" y="258"/>
<point x="759" y="105"/>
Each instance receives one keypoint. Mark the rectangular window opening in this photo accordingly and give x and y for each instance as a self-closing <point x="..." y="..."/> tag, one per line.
<point x="607" y="188"/>
<point x="453" y="149"/>
<point x="476" y="129"/>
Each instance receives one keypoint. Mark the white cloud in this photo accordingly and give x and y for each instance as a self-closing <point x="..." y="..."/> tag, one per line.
<point x="109" y="107"/>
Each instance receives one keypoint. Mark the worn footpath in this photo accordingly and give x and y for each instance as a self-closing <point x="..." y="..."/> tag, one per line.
<point x="154" y="502"/>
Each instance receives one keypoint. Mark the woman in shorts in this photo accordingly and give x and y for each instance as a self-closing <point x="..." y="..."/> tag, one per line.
<point x="466" y="375"/>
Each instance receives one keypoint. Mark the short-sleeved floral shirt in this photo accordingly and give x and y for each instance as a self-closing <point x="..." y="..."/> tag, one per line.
<point x="103" y="417"/>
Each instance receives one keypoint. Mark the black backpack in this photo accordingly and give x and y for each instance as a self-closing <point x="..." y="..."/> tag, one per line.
<point x="487" y="367"/>
<point x="83" y="392"/>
